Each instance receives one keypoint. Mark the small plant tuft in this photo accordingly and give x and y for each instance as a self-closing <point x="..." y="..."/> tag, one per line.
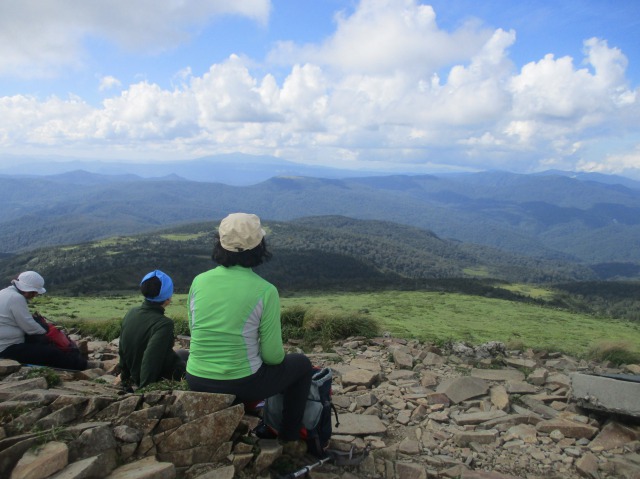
<point x="617" y="352"/>
<point x="165" y="385"/>
<point x="57" y="433"/>
<point x="48" y="374"/>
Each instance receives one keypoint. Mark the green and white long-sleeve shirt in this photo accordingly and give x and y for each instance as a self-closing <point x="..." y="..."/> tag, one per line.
<point x="234" y="317"/>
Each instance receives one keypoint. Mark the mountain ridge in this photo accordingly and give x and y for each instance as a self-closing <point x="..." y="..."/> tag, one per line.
<point x="552" y="217"/>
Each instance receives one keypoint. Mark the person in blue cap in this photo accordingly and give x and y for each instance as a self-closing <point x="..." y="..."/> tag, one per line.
<point x="147" y="337"/>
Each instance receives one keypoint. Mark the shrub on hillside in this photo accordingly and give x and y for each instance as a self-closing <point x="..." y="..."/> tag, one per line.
<point x="181" y="327"/>
<point x="313" y="327"/>
<point x="105" y="330"/>
<point x="617" y="352"/>
<point x="109" y="329"/>
<point x="292" y="320"/>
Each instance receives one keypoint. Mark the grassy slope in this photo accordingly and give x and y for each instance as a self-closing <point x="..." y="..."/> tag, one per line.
<point x="426" y="316"/>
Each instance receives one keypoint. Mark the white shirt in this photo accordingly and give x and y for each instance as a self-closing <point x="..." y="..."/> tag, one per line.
<point x="15" y="318"/>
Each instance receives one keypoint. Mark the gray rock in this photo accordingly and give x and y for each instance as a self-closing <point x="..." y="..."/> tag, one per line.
<point x="146" y="419"/>
<point x="606" y="394"/>
<point x="498" y="374"/>
<point x="587" y="466"/>
<point x="127" y="434"/>
<point x="89" y="468"/>
<point x="10" y="389"/>
<point x="42" y="462"/>
<point x="402" y="359"/>
<point x="409" y="470"/>
<point x="520" y="387"/>
<point x="521" y="363"/>
<point x="92" y="442"/>
<point x="539" y="407"/>
<point x="477" y="417"/>
<point x="461" y="389"/>
<point x="368" y="364"/>
<point x="500" y="398"/>
<point x="9" y="366"/>
<point x="432" y="359"/>
<point x="58" y="418"/>
<point x="270" y="450"/>
<point x="538" y="377"/>
<point x="147" y="468"/>
<point x="12" y="449"/>
<point x="613" y="435"/>
<point x="567" y="428"/>
<point x="209" y="431"/>
<point x="359" y="425"/>
<point x="359" y="377"/>
<point x="190" y="405"/>
<point x="366" y="400"/>
<point x="464" y="438"/>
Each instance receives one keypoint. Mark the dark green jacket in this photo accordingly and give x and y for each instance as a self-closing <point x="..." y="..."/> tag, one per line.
<point x="146" y="345"/>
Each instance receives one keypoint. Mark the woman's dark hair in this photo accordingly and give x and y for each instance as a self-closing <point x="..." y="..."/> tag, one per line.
<point x="151" y="287"/>
<point x="248" y="259"/>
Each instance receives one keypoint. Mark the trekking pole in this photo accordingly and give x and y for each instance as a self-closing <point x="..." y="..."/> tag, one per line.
<point x="305" y="470"/>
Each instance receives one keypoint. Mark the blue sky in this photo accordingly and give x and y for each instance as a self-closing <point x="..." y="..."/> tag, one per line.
<point x="397" y="85"/>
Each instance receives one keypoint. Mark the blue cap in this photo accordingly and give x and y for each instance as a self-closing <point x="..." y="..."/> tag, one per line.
<point x="166" y="290"/>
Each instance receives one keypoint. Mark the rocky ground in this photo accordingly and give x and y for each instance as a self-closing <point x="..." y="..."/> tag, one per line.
<point x="420" y="411"/>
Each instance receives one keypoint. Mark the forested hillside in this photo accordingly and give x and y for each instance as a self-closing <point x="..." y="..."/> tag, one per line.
<point x="548" y="217"/>
<point x="311" y="253"/>
<point x="329" y="253"/>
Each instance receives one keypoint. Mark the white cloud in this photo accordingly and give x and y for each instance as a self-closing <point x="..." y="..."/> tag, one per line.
<point x="388" y="85"/>
<point x="109" y="82"/>
<point x="42" y="37"/>
<point x="384" y="36"/>
<point x="623" y="164"/>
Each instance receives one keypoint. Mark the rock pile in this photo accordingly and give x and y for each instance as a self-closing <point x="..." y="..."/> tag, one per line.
<point x="421" y="411"/>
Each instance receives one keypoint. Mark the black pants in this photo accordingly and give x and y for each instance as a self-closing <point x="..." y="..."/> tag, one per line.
<point x="292" y="378"/>
<point x="180" y="367"/>
<point x="44" y="355"/>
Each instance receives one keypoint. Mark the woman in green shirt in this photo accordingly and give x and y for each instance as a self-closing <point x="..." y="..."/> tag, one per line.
<point x="234" y="317"/>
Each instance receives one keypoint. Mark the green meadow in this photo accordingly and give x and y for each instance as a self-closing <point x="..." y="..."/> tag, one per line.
<point x="427" y="316"/>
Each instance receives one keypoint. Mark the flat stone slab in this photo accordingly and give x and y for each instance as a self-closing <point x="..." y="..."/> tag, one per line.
<point x="606" y="394"/>
<point x="498" y="374"/>
<point x="359" y="425"/>
<point x="359" y="377"/>
<point x="461" y="389"/>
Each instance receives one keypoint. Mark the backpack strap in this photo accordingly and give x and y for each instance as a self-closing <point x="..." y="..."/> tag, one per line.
<point x="335" y="413"/>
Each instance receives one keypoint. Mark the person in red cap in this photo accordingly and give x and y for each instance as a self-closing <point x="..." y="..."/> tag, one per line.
<point x="17" y="323"/>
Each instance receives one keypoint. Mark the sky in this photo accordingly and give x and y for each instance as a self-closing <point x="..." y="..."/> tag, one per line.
<point x="394" y="85"/>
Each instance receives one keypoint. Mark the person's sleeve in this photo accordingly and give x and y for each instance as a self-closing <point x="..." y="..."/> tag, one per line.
<point x="125" y="374"/>
<point x="23" y="318"/>
<point x="271" y="348"/>
<point x="160" y="344"/>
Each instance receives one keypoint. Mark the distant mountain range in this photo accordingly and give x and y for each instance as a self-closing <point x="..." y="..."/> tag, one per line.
<point x="561" y="216"/>
<point x="235" y="169"/>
